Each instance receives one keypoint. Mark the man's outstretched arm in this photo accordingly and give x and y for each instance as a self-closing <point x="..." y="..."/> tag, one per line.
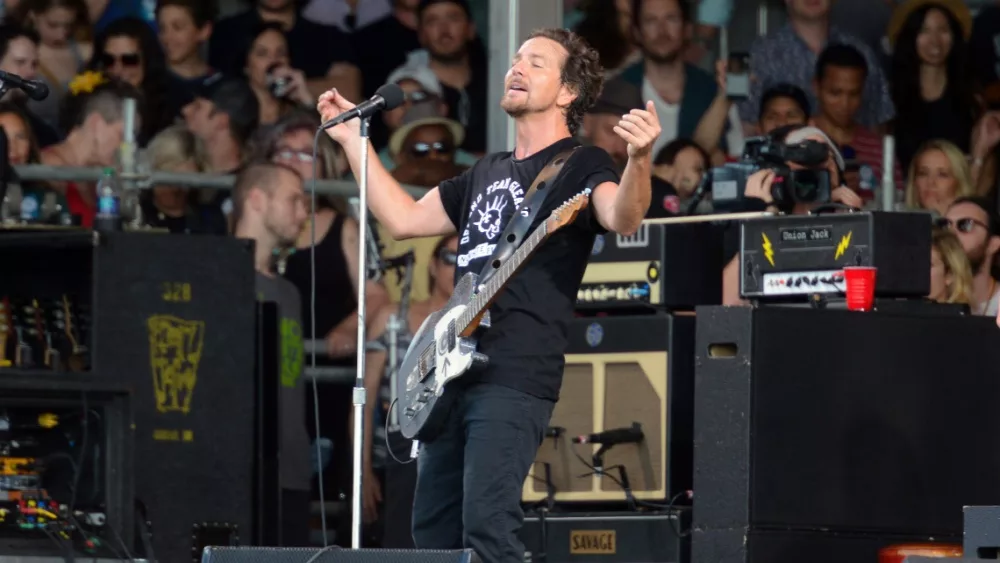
<point x="621" y="208"/>
<point x="402" y="215"/>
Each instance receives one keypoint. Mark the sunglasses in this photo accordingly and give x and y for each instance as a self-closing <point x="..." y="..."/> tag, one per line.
<point x="417" y="96"/>
<point x="288" y="154"/>
<point x="963" y="225"/>
<point x="421" y="150"/>
<point x="128" y="59"/>
<point x="449" y="257"/>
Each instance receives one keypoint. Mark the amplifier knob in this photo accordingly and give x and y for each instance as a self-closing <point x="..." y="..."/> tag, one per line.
<point x="579" y="295"/>
<point x="604" y="294"/>
<point x="622" y="294"/>
<point x="588" y="294"/>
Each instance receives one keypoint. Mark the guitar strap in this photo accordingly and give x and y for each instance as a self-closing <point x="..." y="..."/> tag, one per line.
<point x="524" y="215"/>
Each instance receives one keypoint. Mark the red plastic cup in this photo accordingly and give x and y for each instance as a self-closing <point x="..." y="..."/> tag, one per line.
<point x="860" y="281"/>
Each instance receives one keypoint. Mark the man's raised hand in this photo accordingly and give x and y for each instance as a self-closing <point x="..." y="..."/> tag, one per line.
<point x="330" y="105"/>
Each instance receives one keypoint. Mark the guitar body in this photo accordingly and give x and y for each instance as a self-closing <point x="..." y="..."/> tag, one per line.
<point x="437" y="355"/>
<point x="444" y="348"/>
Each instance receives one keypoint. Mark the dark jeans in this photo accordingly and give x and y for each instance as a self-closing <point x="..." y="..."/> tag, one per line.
<point x="397" y="496"/>
<point x="469" y="479"/>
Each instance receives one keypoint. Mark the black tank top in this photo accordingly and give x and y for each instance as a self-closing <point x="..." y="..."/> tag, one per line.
<point x="334" y="295"/>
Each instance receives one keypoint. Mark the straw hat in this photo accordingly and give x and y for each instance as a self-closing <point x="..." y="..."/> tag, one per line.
<point x="957" y="8"/>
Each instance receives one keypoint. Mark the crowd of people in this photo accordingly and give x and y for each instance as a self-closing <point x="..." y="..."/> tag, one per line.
<point x="215" y="95"/>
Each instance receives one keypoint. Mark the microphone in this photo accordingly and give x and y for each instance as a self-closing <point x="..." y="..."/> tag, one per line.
<point x="389" y="96"/>
<point x="630" y="435"/>
<point x="35" y="89"/>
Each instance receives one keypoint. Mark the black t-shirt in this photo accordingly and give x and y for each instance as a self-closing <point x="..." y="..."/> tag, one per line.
<point x="665" y="201"/>
<point x="529" y="318"/>
<point x="312" y="48"/>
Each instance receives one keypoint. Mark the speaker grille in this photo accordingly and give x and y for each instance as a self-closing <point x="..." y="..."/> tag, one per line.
<point x="338" y="555"/>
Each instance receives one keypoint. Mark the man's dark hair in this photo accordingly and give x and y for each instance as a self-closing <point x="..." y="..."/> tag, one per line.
<point x="992" y="220"/>
<point x="668" y="154"/>
<point x="424" y="4"/>
<point x="841" y="56"/>
<point x="202" y="12"/>
<point x="785" y="90"/>
<point x="259" y="174"/>
<point x="582" y="72"/>
<point x="10" y="32"/>
<point x="637" y="11"/>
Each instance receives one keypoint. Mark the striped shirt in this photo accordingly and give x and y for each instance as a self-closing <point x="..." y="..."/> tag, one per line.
<point x="868" y="153"/>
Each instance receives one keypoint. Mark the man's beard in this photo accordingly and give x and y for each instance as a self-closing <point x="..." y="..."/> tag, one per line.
<point x="977" y="259"/>
<point x="664" y="58"/>
<point x="449" y="58"/>
<point x="514" y="109"/>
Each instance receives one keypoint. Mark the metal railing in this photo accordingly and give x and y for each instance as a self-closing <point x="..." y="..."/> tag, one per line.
<point x="43" y="172"/>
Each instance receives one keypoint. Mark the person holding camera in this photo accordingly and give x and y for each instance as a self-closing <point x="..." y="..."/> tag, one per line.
<point x="279" y="88"/>
<point x="760" y="192"/>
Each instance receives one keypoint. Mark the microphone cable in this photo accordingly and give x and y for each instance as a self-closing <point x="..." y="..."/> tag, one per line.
<point x="312" y="331"/>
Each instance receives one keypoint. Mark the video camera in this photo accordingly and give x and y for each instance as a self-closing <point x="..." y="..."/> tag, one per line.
<point x="811" y="185"/>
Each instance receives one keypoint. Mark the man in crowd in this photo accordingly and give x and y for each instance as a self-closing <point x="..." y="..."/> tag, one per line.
<point x="223" y="117"/>
<point x="975" y="223"/>
<point x="447" y="34"/>
<point x="19" y="55"/>
<point x="269" y="208"/>
<point x="682" y="92"/>
<point x="789" y="55"/>
<point x="841" y="72"/>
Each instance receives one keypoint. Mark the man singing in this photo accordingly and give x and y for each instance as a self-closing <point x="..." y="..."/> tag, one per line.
<point x="470" y="477"/>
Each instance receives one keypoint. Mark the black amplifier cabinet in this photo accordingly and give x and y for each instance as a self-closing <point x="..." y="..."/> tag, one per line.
<point x="621" y="370"/>
<point x="672" y="266"/>
<point x="172" y="319"/>
<point x="825" y="435"/>
<point x="800" y="255"/>
<point x="607" y="537"/>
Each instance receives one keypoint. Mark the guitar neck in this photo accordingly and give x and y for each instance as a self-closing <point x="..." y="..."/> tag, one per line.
<point x="488" y="293"/>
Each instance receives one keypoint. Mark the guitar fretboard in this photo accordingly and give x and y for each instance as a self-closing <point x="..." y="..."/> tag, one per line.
<point x="499" y="279"/>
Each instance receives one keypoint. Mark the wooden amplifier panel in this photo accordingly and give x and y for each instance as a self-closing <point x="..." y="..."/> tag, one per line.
<point x="599" y="392"/>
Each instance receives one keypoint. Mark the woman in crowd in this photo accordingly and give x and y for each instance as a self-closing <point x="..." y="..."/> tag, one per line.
<point x="175" y="149"/>
<point x="951" y="274"/>
<point x="22" y="148"/>
<point x="931" y="85"/>
<point x="129" y="51"/>
<point x="60" y="54"/>
<point x="289" y="142"/>
<point x="279" y="88"/>
<point x="938" y="174"/>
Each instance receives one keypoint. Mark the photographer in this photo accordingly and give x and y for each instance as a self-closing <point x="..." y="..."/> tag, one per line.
<point x="760" y="192"/>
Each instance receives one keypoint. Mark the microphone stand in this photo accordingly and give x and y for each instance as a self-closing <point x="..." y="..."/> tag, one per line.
<point x="358" y="397"/>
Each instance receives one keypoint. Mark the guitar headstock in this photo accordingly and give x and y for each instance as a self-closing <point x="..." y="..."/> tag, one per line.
<point x="567" y="212"/>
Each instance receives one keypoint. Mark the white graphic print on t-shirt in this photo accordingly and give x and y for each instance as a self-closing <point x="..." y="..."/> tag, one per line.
<point x="486" y="218"/>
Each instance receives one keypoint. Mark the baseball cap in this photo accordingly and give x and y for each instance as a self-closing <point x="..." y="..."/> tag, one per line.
<point x="419" y="115"/>
<point x="420" y="74"/>
<point x="234" y="97"/>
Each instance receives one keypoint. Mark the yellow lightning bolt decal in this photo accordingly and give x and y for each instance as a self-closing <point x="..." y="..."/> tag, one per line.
<point x="768" y="249"/>
<point x="845" y="242"/>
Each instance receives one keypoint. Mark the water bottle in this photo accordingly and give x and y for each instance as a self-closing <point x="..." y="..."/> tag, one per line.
<point x="109" y="197"/>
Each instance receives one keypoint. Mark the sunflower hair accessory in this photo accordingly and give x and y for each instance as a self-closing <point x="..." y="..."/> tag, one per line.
<point x="86" y="82"/>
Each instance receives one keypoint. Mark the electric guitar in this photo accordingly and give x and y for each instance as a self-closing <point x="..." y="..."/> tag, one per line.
<point x="445" y="346"/>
